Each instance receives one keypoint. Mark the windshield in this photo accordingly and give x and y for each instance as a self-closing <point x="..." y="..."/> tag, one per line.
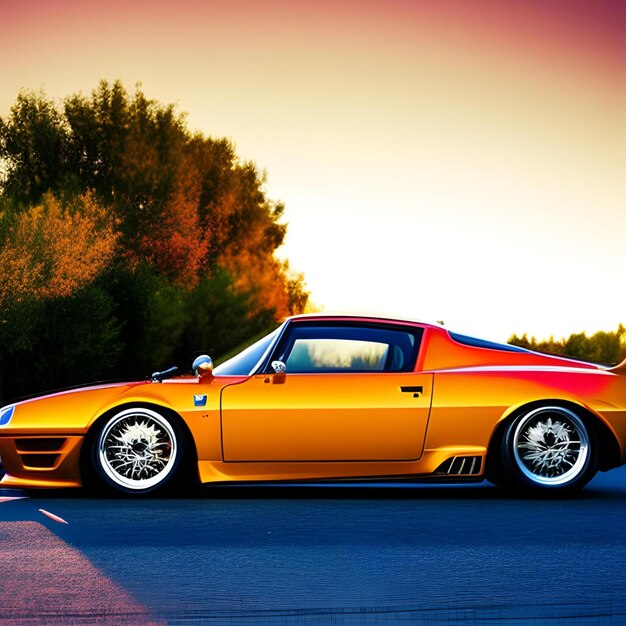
<point x="243" y="363"/>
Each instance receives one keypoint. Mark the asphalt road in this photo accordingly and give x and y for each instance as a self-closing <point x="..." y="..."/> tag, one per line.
<point x="307" y="555"/>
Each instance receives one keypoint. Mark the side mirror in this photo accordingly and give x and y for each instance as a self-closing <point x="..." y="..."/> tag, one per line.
<point x="279" y="367"/>
<point x="280" y="372"/>
<point x="203" y="367"/>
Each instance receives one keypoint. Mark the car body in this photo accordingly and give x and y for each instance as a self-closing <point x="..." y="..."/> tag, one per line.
<point x="329" y="397"/>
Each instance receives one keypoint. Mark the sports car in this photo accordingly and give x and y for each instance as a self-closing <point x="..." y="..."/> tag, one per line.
<point x="326" y="397"/>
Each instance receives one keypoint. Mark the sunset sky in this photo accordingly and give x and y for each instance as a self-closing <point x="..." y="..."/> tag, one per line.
<point x="456" y="160"/>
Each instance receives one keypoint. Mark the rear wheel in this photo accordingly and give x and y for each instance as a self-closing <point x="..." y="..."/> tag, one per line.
<point x="137" y="451"/>
<point x="549" y="448"/>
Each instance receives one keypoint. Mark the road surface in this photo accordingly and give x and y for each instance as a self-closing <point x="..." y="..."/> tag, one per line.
<point x="317" y="555"/>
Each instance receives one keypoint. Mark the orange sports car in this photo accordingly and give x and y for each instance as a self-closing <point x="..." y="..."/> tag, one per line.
<point x="327" y="397"/>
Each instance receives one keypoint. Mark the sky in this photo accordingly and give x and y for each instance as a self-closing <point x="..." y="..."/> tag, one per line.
<point x="454" y="160"/>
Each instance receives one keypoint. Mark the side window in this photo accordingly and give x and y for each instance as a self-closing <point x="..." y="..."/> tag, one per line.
<point x="308" y="355"/>
<point x="318" y="348"/>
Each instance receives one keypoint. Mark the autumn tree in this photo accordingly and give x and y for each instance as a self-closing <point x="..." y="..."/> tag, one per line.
<point x="53" y="314"/>
<point x="50" y="251"/>
<point x="192" y="230"/>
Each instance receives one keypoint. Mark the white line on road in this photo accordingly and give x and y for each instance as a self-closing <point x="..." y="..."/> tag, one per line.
<point x="52" y="516"/>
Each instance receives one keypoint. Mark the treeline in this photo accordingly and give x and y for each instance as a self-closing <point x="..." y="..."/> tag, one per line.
<point x="128" y="242"/>
<point x="602" y="347"/>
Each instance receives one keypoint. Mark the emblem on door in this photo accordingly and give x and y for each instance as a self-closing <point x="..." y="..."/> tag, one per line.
<point x="199" y="399"/>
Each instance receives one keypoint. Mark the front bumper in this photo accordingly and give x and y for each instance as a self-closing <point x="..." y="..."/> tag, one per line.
<point x="41" y="461"/>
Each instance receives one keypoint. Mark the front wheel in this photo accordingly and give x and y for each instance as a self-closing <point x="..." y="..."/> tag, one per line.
<point x="549" y="448"/>
<point x="137" y="451"/>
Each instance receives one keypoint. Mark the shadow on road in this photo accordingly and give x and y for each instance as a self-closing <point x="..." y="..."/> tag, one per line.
<point x="386" y="491"/>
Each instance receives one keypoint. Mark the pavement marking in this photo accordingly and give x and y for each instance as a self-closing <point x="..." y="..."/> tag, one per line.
<point x="52" y="516"/>
<point x="7" y="499"/>
<point x="45" y="580"/>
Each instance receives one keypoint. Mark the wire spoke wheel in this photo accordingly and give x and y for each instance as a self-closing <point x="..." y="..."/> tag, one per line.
<point x="551" y="446"/>
<point x="137" y="449"/>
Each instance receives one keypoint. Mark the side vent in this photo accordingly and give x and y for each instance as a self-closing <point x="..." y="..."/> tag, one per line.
<point x="40" y="444"/>
<point x="39" y="461"/>
<point x="460" y="466"/>
<point x="41" y="453"/>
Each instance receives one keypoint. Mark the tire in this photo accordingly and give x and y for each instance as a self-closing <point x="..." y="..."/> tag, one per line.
<point x="137" y="451"/>
<point x="549" y="448"/>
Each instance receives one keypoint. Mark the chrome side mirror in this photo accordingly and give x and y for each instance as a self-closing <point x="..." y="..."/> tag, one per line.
<point x="203" y="366"/>
<point x="279" y="367"/>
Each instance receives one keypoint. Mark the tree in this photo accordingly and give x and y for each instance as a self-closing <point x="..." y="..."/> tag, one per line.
<point x="174" y="231"/>
<point x="54" y="315"/>
<point x="33" y="149"/>
<point x="51" y="250"/>
<point x="602" y="347"/>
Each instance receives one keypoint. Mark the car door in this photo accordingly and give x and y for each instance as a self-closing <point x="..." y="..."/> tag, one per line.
<point x="349" y="394"/>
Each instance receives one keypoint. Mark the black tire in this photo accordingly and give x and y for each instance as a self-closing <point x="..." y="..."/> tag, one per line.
<point x="136" y="451"/>
<point x="549" y="449"/>
<point x="497" y="477"/>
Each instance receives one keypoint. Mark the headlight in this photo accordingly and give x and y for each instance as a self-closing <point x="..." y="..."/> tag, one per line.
<point x="6" y="414"/>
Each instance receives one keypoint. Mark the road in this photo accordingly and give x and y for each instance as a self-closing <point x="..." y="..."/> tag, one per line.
<point x="312" y="555"/>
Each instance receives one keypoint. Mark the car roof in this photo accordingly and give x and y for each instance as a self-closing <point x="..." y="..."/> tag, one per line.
<point x="458" y="350"/>
<point x="322" y="316"/>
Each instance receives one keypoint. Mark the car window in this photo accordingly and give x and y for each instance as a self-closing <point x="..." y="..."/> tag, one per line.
<point x="243" y="363"/>
<point x="337" y="354"/>
<point x="344" y="348"/>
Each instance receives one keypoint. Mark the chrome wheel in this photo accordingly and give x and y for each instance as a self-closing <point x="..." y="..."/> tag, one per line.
<point x="551" y="446"/>
<point x="137" y="449"/>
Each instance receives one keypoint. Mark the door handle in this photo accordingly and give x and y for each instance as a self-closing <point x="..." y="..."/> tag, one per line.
<point x="416" y="391"/>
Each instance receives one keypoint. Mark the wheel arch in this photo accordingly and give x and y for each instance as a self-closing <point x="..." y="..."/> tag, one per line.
<point x="607" y="440"/>
<point x="190" y="463"/>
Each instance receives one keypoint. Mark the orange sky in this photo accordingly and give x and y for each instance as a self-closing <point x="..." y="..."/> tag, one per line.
<point x="450" y="159"/>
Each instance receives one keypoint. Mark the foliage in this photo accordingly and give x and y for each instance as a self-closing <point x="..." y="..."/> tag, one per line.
<point x="62" y="342"/>
<point x="162" y="237"/>
<point x="33" y="148"/>
<point x="50" y="251"/>
<point x="601" y="347"/>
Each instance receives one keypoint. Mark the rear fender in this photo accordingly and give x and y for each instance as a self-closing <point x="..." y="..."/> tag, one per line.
<point x="607" y="438"/>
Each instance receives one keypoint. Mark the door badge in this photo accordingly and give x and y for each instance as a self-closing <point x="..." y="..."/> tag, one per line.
<point x="199" y="399"/>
